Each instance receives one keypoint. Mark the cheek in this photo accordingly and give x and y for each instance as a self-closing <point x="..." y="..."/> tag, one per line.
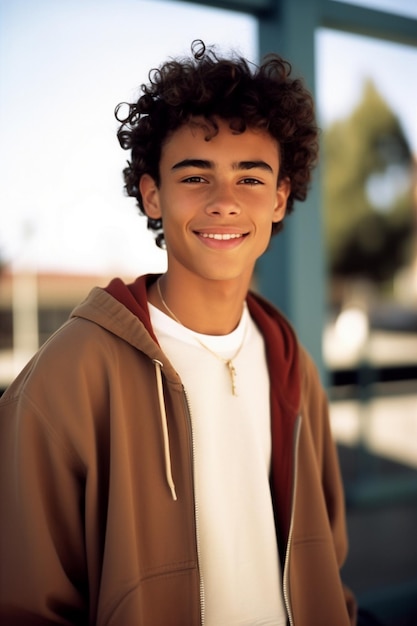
<point x="174" y="224"/>
<point x="177" y="212"/>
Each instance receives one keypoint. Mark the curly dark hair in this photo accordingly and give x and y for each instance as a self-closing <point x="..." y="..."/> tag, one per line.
<point x="246" y="95"/>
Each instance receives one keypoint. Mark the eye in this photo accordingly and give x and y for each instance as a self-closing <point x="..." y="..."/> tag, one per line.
<point x="251" y="181"/>
<point x="193" y="179"/>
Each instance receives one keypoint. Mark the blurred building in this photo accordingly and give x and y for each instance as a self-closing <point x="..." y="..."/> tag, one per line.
<point x="32" y="307"/>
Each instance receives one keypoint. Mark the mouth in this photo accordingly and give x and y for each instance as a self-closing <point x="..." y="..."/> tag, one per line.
<point x="221" y="240"/>
<point x="222" y="236"/>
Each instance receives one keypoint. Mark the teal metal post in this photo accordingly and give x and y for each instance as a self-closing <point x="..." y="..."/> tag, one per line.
<point x="292" y="273"/>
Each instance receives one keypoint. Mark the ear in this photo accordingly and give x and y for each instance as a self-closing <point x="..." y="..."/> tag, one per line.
<point x="283" y="191"/>
<point x="150" y="196"/>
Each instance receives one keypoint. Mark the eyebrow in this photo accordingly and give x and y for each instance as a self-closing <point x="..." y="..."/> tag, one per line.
<point x="207" y="165"/>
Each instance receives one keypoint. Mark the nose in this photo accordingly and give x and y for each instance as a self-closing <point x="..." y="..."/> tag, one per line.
<point x="222" y="200"/>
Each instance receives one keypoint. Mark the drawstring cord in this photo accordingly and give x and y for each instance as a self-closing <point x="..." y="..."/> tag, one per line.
<point x="167" y="453"/>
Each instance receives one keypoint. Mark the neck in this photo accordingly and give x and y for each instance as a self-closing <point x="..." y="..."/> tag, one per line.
<point x="212" y="308"/>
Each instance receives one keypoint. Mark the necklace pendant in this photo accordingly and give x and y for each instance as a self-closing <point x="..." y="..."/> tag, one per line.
<point x="228" y="362"/>
<point x="232" y="372"/>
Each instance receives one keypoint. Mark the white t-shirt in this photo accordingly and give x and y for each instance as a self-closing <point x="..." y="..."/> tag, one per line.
<point x="238" y="554"/>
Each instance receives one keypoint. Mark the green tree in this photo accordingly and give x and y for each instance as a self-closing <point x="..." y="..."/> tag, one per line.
<point x="367" y="192"/>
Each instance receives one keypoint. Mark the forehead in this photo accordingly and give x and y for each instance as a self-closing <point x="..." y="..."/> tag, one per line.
<point x="199" y="136"/>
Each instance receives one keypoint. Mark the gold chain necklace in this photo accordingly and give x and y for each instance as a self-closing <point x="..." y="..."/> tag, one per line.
<point x="228" y="362"/>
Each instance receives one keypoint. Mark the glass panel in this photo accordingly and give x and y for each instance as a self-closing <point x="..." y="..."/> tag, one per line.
<point x="367" y="105"/>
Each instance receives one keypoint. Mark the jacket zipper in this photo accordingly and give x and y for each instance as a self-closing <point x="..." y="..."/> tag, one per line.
<point x="202" y="596"/>
<point x="289" y="542"/>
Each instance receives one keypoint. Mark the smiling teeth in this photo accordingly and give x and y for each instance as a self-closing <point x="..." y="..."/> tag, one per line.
<point x="221" y="237"/>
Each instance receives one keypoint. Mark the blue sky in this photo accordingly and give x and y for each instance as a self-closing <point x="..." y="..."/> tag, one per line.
<point x="63" y="68"/>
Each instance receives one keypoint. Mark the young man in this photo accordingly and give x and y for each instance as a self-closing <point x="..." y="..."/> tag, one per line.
<point x="166" y="456"/>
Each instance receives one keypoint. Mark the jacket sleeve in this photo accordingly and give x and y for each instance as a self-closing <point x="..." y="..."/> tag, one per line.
<point x="316" y="404"/>
<point x="42" y="560"/>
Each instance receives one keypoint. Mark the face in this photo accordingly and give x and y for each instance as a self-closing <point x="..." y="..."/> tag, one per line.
<point x="217" y="199"/>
